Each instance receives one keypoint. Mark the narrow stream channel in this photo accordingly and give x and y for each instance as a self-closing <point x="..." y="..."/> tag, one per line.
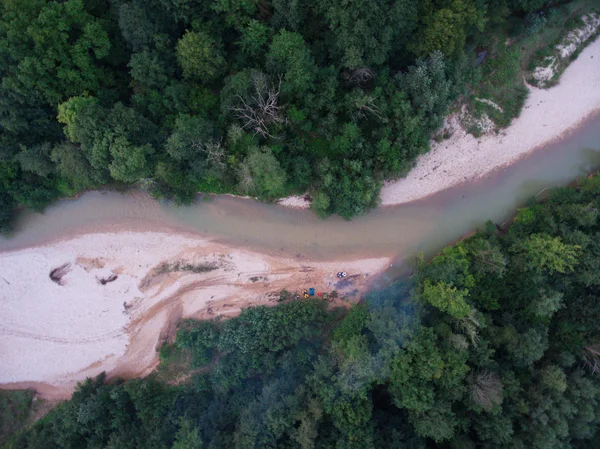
<point x="400" y="231"/>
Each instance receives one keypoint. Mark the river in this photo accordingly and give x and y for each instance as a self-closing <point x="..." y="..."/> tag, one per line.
<point x="399" y="231"/>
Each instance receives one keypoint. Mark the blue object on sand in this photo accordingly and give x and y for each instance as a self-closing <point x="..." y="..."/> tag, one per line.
<point x="311" y="291"/>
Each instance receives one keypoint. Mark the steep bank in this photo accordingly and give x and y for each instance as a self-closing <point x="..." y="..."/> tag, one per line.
<point x="548" y="115"/>
<point x="105" y="302"/>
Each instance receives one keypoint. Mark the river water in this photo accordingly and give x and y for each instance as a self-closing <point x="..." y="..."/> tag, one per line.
<point x="399" y="231"/>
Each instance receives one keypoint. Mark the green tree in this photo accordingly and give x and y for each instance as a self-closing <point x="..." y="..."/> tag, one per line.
<point x="261" y="174"/>
<point x="289" y="14"/>
<point x="36" y="159"/>
<point x="72" y="165"/>
<point x="542" y="252"/>
<point x="70" y="114"/>
<point x="429" y="89"/>
<point x="189" y="137"/>
<point x="129" y="162"/>
<point x="147" y="69"/>
<point x="188" y="436"/>
<point x="528" y="5"/>
<point x="186" y="10"/>
<point x="366" y="32"/>
<point x="235" y="12"/>
<point x="446" y="298"/>
<point x="137" y="27"/>
<point x="289" y="56"/>
<point x="444" y="25"/>
<point x="199" y="56"/>
<point x="254" y="39"/>
<point x="54" y="49"/>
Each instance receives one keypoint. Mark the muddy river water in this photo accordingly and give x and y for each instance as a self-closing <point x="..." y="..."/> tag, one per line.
<point x="398" y="231"/>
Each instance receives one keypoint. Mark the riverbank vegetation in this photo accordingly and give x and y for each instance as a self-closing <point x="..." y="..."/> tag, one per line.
<point x="516" y="49"/>
<point x="494" y="343"/>
<point x="16" y="409"/>
<point x="260" y="98"/>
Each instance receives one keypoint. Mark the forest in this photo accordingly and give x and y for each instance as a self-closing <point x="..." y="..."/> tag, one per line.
<point x="254" y="97"/>
<point x="494" y="343"/>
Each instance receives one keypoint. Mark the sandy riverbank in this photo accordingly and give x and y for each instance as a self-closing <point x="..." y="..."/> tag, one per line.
<point x="548" y="115"/>
<point x="59" y="332"/>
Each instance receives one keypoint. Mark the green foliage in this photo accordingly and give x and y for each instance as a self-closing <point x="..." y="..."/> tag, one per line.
<point x="352" y="325"/>
<point x="199" y="56"/>
<point x="54" y="49"/>
<point x="429" y="89"/>
<point x="69" y="114"/>
<point x="36" y="159"/>
<point x="189" y="135"/>
<point x="366" y="33"/>
<point x="502" y="84"/>
<point x="260" y="174"/>
<point x="129" y="162"/>
<point x="187" y="437"/>
<point x="349" y="188"/>
<point x="289" y="56"/>
<point x="254" y="39"/>
<point x="542" y="252"/>
<point x="529" y="5"/>
<point x="136" y="25"/>
<point x="199" y="339"/>
<point x="446" y="298"/>
<point x="71" y="164"/>
<point x="15" y="410"/>
<point x="444" y="25"/>
<point x="289" y="14"/>
<point x="147" y="69"/>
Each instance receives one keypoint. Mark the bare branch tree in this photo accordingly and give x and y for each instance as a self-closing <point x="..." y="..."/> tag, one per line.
<point x="469" y="326"/>
<point x="367" y="104"/>
<point x="215" y="153"/>
<point x="247" y="183"/>
<point x="146" y="184"/>
<point x="591" y="357"/>
<point x="485" y="388"/>
<point x="262" y="109"/>
<point x="360" y="76"/>
<point x="459" y="341"/>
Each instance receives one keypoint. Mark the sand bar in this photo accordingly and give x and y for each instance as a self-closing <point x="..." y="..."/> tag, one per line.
<point x="57" y="332"/>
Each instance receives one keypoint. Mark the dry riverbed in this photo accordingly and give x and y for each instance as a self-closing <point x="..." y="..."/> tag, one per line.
<point x="107" y="301"/>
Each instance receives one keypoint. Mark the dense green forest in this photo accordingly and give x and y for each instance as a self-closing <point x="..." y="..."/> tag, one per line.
<point x="256" y="97"/>
<point x="494" y="343"/>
